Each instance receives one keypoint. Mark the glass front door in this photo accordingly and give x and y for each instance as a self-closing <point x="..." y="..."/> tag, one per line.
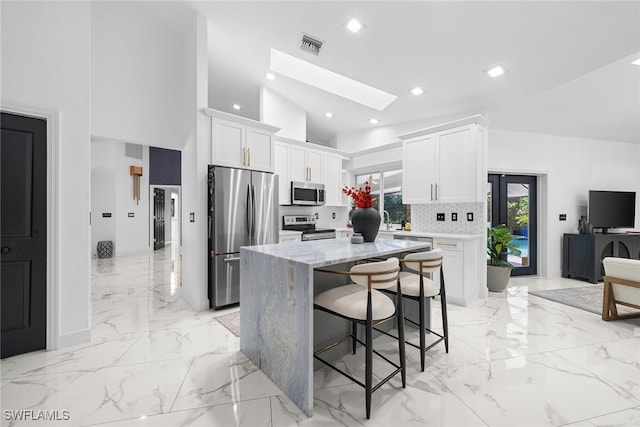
<point x="511" y="200"/>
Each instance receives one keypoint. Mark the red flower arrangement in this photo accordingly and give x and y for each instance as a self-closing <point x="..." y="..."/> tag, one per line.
<point x="361" y="196"/>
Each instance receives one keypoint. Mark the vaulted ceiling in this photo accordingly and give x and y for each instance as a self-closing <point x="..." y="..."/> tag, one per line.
<point x="568" y="64"/>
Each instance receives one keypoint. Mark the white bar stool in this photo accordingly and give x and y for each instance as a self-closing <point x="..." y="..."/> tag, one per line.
<point x="361" y="303"/>
<point x="417" y="286"/>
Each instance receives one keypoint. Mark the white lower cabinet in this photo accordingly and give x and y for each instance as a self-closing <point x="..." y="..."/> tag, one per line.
<point x="461" y="269"/>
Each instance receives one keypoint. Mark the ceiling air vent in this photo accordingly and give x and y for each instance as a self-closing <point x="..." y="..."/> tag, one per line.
<point x="310" y="44"/>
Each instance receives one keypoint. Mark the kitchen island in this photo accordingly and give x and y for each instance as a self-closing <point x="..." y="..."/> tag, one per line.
<point x="276" y="305"/>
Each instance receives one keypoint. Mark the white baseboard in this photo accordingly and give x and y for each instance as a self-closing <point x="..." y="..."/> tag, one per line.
<point x="74" y="338"/>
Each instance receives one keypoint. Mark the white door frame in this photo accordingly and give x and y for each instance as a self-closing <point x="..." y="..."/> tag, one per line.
<point x="53" y="215"/>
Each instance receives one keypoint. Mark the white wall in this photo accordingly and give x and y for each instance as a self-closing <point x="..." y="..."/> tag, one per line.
<point x="112" y="191"/>
<point x="572" y="167"/>
<point x="195" y="156"/>
<point x="46" y="51"/>
<point x="137" y="76"/>
<point x="103" y="192"/>
<point x="280" y="112"/>
<point x="132" y="235"/>
<point x="383" y="135"/>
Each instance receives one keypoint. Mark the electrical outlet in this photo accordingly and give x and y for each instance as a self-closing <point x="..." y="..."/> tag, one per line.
<point x="440" y="216"/>
<point x="131" y="214"/>
<point x="469" y="216"/>
<point x="317" y="215"/>
<point x="563" y="217"/>
<point x="454" y="216"/>
<point x="333" y="215"/>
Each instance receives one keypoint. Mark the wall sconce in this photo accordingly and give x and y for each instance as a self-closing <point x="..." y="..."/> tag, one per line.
<point x="136" y="173"/>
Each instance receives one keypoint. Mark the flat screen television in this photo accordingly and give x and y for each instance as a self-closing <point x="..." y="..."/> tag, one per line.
<point x="612" y="209"/>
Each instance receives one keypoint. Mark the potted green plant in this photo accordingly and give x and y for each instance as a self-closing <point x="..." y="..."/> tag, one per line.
<point x="499" y="243"/>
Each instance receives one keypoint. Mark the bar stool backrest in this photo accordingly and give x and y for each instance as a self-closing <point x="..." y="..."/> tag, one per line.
<point x="425" y="262"/>
<point x="381" y="274"/>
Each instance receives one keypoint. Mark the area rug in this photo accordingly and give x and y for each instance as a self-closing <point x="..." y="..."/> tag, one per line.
<point x="587" y="298"/>
<point x="231" y="321"/>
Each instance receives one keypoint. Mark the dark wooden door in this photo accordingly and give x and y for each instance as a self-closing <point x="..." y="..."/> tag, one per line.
<point x="23" y="233"/>
<point x="158" y="219"/>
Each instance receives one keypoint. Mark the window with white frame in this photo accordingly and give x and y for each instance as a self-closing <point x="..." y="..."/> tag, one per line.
<point x="386" y="190"/>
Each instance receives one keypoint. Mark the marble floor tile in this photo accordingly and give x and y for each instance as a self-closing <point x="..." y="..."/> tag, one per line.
<point x="99" y="353"/>
<point x="167" y="344"/>
<point x="249" y="413"/>
<point x="100" y="395"/>
<point x="222" y="378"/>
<point x="537" y="390"/>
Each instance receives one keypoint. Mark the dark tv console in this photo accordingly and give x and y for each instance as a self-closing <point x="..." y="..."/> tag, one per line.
<point x="582" y="254"/>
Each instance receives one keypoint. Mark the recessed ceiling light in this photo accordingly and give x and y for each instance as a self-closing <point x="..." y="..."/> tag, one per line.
<point x="334" y="83"/>
<point x="417" y="91"/>
<point x="354" y="25"/>
<point x="373" y="121"/>
<point x="236" y="106"/>
<point x="496" y="71"/>
<point x="636" y="62"/>
<point x="328" y="114"/>
<point x="270" y="76"/>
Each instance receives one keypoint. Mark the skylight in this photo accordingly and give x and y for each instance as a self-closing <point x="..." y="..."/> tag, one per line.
<point x="329" y="81"/>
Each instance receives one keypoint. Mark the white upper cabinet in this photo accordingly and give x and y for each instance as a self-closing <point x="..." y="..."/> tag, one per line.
<point x="306" y="164"/>
<point x="418" y="173"/>
<point x="332" y="173"/>
<point x="281" y="161"/>
<point x="445" y="164"/>
<point x="240" y="142"/>
<point x="295" y="162"/>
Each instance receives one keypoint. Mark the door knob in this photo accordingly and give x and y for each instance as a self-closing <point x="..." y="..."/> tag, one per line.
<point x="6" y="250"/>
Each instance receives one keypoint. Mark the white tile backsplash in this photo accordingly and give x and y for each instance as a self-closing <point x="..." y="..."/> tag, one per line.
<point x="423" y="218"/>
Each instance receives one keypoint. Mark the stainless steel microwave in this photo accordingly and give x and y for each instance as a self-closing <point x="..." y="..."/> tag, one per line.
<point x="307" y="194"/>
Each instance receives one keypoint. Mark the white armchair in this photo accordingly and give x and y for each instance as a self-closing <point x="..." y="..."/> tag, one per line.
<point x="621" y="286"/>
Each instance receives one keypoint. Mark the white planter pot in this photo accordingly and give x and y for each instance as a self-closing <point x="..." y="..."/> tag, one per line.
<point x="498" y="278"/>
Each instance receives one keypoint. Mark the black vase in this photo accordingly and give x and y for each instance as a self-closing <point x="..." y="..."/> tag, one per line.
<point x="366" y="221"/>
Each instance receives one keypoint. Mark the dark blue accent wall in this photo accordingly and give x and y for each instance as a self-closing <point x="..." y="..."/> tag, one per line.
<point x="164" y="166"/>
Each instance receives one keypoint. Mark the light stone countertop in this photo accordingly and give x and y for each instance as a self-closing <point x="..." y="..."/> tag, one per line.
<point x="335" y="251"/>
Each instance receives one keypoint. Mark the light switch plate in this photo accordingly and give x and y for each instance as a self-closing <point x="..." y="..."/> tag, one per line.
<point x="563" y="217"/>
<point x="454" y="216"/>
<point x="469" y="216"/>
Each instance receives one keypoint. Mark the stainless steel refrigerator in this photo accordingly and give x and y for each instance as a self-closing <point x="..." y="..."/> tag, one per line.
<point x="243" y="211"/>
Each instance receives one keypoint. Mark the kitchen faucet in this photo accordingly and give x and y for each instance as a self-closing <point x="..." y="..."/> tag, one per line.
<point x="388" y="219"/>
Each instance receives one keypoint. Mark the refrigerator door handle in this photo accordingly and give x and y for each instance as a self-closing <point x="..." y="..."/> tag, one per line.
<point x="232" y="259"/>
<point x="249" y="210"/>
<point x="253" y="214"/>
<point x="209" y="232"/>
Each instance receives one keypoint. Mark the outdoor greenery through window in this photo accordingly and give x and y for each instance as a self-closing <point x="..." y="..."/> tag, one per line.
<point x="391" y="200"/>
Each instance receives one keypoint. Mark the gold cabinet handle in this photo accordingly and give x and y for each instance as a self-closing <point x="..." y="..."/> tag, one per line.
<point x="436" y="191"/>
<point x="244" y="156"/>
<point x="431" y="193"/>
<point x="310" y="174"/>
<point x="249" y="156"/>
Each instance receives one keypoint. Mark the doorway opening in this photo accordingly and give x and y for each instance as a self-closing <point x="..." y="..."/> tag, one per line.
<point x="512" y="201"/>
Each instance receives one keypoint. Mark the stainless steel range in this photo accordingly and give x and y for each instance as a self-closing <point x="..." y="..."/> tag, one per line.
<point x="307" y="224"/>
